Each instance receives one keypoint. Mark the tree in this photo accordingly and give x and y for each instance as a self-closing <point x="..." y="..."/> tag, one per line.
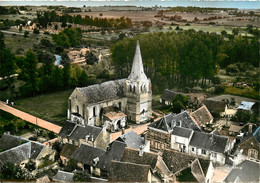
<point x="56" y="27"/>
<point x="91" y="58"/>
<point x="36" y="31"/>
<point x="179" y="102"/>
<point x="83" y="79"/>
<point x="235" y="31"/>
<point x="10" y="171"/>
<point x="26" y="33"/>
<point x="20" y="29"/>
<point x="177" y="28"/>
<point x="8" y="65"/>
<point x="63" y="24"/>
<point x="223" y="33"/>
<point x="71" y="165"/>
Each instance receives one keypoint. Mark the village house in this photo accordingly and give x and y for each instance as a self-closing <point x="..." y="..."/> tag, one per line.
<point x="195" y="169"/>
<point x="200" y="144"/>
<point x="209" y="146"/>
<point x="247" y="171"/>
<point x="157" y="165"/>
<point x="250" y="146"/>
<point x="132" y="96"/>
<point x="202" y="116"/>
<point x="159" y="132"/>
<point x="167" y="97"/>
<point x="17" y="150"/>
<point x="77" y="134"/>
<point x="97" y="161"/>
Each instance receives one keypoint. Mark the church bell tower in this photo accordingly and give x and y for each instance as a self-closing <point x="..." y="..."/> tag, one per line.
<point x="138" y="90"/>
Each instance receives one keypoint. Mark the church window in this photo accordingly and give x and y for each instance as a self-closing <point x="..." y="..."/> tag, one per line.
<point x="83" y="111"/>
<point x="119" y="106"/>
<point x="77" y="107"/>
<point x="94" y="111"/>
<point x="134" y="89"/>
<point x="130" y="88"/>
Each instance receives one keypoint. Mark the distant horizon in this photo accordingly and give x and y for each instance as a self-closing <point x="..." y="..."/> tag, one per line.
<point x="239" y="4"/>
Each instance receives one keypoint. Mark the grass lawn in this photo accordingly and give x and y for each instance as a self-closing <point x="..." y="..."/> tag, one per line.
<point x="250" y="93"/>
<point x="51" y="107"/>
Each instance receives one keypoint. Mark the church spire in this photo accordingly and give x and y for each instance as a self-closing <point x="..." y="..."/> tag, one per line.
<point x="137" y="72"/>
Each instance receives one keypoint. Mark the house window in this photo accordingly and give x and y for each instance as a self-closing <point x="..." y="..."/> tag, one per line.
<point x="192" y="149"/>
<point x="77" y="109"/>
<point x="94" y="111"/>
<point x="214" y="155"/>
<point x="252" y="153"/>
<point x="203" y="151"/>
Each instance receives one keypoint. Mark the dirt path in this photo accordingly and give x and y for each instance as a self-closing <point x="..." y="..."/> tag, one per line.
<point x="32" y="119"/>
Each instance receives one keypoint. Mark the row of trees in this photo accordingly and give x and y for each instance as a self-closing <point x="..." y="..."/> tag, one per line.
<point x="45" y="19"/>
<point x="183" y="58"/>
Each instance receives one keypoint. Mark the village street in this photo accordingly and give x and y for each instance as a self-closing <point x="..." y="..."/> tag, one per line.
<point x="32" y="119"/>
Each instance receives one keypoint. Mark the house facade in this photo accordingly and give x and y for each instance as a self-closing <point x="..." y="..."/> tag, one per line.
<point x="131" y="96"/>
<point x="159" y="132"/>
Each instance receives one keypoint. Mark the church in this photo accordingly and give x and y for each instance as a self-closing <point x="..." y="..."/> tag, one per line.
<point x="112" y="103"/>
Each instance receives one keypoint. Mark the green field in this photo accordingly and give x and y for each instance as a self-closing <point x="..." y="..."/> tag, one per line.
<point x="19" y="45"/>
<point x="51" y="107"/>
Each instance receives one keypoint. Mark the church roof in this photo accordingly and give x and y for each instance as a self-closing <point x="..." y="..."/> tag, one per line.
<point x="104" y="91"/>
<point x="137" y="72"/>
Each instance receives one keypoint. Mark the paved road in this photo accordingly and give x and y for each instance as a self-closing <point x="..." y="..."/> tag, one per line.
<point x="30" y="118"/>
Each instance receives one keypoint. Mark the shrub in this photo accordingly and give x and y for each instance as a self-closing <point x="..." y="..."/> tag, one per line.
<point x="36" y="31"/>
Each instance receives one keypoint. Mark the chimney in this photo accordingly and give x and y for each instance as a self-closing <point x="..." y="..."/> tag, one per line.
<point x="250" y="127"/>
<point x="180" y="123"/>
<point x="87" y="137"/>
<point x="141" y="151"/>
<point x="123" y="131"/>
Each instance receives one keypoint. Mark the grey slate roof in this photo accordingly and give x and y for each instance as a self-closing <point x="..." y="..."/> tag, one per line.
<point x="182" y="132"/>
<point x="176" y="161"/>
<point x="67" y="129"/>
<point x="16" y="154"/>
<point x="128" y="172"/>
<point x="63" y="176"/>
<point x="104" y="91"/>
<point x="182" y="119"/>
<point x="132" y="156"/>
<point x="168" y="95"/>
<point x="209" y="141"/>
<point x="76" y="132"/>
<point x="16" y="149"/>
<point x="132" y="140"/>
<point x="247" y="171"/>
<point x="9" y="141"/>
<point x="86" y="154"/>
<point x="137" y="72"/>
<point x="36" y="149"/>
